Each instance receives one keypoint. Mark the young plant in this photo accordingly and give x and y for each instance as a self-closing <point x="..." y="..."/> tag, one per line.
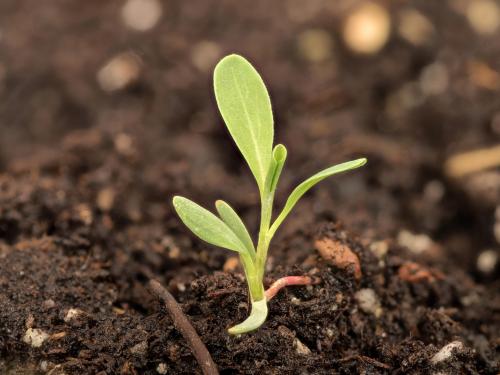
<point x="245" y="106"/>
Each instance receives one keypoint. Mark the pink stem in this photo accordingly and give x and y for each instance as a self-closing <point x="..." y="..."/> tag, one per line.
<point x="287" y="281"/>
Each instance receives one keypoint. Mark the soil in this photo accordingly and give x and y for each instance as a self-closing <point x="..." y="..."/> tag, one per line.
<point x="86" y="178"/>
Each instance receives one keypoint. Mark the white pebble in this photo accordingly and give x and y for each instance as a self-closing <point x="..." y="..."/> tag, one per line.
<point x="379" y="249"/>
<point x="446" y="352"/>
<point x="141" y="15"/>
<point x="301" y="348"/>
<point x="483" y="16"/>
<point x="205" y="54"/>
<point x="162" y="369"/>
<point x="119" y="72"/>
<point x="35" y="337"/>
<point x="434" y="191"/>
<point x="487" y="261"/>
<point x="367" y="28"/>
<point x="416" y="243"/>
<point x="415" y="27"/>
<point x="368" y="301"/>
<point x="72" y="314"/>
<point x="139" y="349"/>
<point x="434" y="79"/>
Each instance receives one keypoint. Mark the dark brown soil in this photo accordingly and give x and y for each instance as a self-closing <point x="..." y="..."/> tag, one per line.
<point x="86" y="179"/>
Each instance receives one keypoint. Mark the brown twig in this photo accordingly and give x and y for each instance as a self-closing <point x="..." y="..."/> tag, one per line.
<point x="182" y="324"/>
<point x="287" y="281"/>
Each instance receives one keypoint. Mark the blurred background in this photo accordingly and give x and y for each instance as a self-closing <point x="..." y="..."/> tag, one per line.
<point x="412" y="85"/>
<point x="107" y="110"/>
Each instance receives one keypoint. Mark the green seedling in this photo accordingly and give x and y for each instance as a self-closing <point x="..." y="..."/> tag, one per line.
<point x="245" y="106"/>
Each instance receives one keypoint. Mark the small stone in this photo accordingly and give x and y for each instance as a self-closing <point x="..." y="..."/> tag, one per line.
<point x="470" y="299"/>
<point x="285" y="332"/>
<point x="139" y="349"/>
<point x="434" y="191"/>
<point x="231" y="264"/>
<point x="446" y="352"/>
<point x="181" y="287"/>
<point x="48" y="304"/>
<point x="339" y="255"/>
<point x="44" y="365"/>
<point x="174" y="252"/>
<point x="105" y="199"/>
<point x="119" y="72"/>
<point x="329" y="333"/>
<point x="124" y="144"/>
<point x="162" y="369"/>
<point x="487" y="261"/>
<point x="483" y="75"/>
<point x="416" y="243"/>
<point x="414" y="273"/>
<point x="315" y="45"/>
<point x="294" y="300"/>
<point x="301" y="348"/>
<point x="141" y="15"/>
<point x="367" y="28"/>
<point x="72" y="314"/>
<point x="379" y="249"/>
<point x="415" y="27"/>
<point x="205" y="54"/>
<point x="483" y="16"/>
<point x="85" y="213"/>
<point x="434" y="79"/>
<point x="35" y="337"/>
<point x="368" y="301"/>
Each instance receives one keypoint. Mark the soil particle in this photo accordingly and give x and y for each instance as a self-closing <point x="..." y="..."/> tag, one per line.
<point x="368" y="302"/>
<point x="339" y="255"/>
<point x="35" y="337"/>
<point x="447" y="351"/>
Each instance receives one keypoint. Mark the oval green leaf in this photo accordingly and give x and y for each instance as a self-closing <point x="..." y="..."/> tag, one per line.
<point x="300" y="190"/>
<point x="234" y="222"/>
<point x="206" y="225"/>
<point x="245" y="106"/>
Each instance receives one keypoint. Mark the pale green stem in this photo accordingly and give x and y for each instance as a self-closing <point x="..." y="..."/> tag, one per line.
<point x="254" y="272"/>
<point x="263" y="242"/>
<point x="255" y="286"/>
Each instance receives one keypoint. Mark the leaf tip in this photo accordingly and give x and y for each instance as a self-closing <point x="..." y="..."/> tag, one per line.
<point x="177" y="201"/>
<point x="279" y="153"/>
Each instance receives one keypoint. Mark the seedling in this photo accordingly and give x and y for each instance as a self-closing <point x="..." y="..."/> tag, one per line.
<point x="245" y="106"/>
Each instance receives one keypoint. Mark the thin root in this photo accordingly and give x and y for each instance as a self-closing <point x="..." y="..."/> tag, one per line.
<point x="287" y="281"/>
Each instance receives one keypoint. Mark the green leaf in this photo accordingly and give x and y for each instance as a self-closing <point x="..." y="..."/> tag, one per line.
<point x="233" y="221"/>
<point x="300" y="190"/>
<point x="246" y="109"/>
<point x="277" y="163"/>
<point x="256" y="318"/>
<point x="206" y="225"/>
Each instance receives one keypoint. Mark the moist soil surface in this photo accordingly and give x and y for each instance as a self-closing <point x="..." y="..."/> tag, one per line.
<point x="87" y="176"/>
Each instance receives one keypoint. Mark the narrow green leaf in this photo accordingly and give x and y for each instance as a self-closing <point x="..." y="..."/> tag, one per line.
<point x="300" y="190"/>
<point x="245" y="106"/>
<point x="233" y="221"/>
<point x="277" y="163"/>
<point x="206" y="225"/>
